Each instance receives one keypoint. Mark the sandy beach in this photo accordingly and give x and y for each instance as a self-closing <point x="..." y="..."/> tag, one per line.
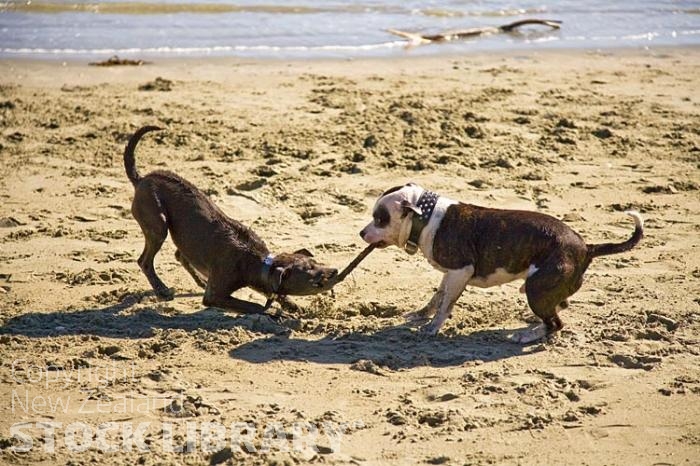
<point x="299" y="151"/>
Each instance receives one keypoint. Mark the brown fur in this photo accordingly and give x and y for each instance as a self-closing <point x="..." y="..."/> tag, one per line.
<point x="513" y="240"/>
<point x="487" y="247"/>
<point x="220" y="253"/>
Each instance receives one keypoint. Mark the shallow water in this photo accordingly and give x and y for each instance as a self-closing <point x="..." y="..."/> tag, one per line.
<point x="320" y="28"/>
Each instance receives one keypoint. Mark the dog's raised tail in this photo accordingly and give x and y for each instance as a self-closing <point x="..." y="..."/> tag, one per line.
<point x="129" y="160"/>
<point x="595" y="250"/>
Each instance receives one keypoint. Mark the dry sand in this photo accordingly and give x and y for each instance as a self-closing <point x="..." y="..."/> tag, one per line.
<point x="299" y="151"/>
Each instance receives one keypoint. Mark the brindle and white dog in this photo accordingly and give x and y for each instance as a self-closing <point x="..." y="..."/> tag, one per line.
<point x="487" y="247"/>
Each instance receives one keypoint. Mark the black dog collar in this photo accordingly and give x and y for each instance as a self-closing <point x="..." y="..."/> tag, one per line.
<point x="426" y="204"/>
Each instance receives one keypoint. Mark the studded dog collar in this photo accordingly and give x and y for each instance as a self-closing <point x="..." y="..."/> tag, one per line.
<point x="426" y="204"/>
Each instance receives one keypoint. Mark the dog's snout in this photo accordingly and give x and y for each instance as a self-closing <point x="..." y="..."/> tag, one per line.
<point x="328" y="274"/>
<point x="323" y="276"/>
<point x="363" y="233"/>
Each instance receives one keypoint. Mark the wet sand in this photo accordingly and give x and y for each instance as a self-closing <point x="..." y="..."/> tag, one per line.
<point x="299" y="151"/>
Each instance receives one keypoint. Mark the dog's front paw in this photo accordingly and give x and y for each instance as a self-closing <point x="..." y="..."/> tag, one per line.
<point x="289" y="306"/>
<point x="429" y="329"/>
<point x="529" y="335"/>
<point x="416" y="318"/>
<point x="165" y="294"/>
<point x="277" y="317"/>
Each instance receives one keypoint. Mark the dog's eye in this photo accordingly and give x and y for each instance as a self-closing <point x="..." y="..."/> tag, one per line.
<point x="381" y="217"/>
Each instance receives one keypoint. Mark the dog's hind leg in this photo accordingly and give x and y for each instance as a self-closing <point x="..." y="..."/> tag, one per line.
<point x="147" y="211"/>
<point x="547" y="291"/>
<point x="199" y="280"/>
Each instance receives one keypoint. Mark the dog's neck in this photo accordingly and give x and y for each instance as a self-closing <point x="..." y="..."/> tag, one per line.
<point x="269" y="285"/>
<point x="266" y="274"/>
<point x="426" y="203"/>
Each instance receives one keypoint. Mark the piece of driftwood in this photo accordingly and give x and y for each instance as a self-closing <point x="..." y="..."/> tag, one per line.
<point x="416" y="38"/>
<point x="116" y="61"/>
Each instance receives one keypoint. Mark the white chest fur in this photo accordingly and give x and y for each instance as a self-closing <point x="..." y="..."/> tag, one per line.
<point x="427" y="236"/>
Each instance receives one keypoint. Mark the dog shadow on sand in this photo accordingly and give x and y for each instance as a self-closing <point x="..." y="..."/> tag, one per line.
<point x="395" y="346"/>
<point x="122" y="320"/>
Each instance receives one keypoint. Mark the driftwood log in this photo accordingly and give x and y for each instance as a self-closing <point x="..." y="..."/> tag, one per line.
<point x="416" y="38"/>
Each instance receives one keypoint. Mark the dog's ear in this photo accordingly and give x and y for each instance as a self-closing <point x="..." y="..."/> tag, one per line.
<point x="408" y="207"/>
<point x="304" y="252"/>
<point x="390" y="190"/>
<point x="281" y="273"/>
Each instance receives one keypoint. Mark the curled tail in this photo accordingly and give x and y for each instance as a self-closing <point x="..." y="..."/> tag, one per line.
<point x="595" y="250"/>
<point x="129" y="161"/>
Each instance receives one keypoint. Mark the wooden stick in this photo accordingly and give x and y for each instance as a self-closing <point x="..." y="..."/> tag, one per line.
<point x="346" y="271"/>
<point x="355" y="262"/>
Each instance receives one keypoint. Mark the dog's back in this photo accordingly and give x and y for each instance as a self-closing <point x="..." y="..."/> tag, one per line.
<point x="529" y="238"/>
<point x="195" y="223"/>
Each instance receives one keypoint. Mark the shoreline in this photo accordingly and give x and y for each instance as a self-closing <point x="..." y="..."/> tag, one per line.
<point x="501" y="53"/>
<point x="217" y="68"/>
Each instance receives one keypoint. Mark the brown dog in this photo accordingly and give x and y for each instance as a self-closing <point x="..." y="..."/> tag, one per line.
<point x="488" y="247"/>
<point x="221" y="254"/>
